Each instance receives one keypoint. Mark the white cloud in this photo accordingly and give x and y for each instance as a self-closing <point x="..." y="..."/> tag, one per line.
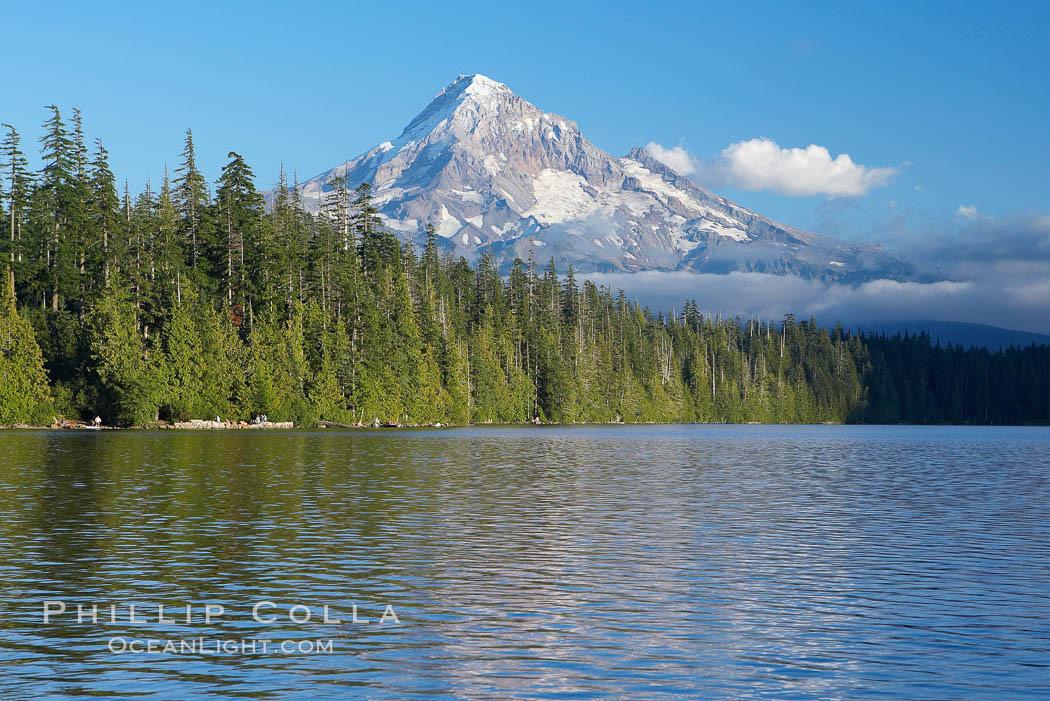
<point x="761" y="164"/>
<point x="677" y="159"/>
<point x="967" y="211"/>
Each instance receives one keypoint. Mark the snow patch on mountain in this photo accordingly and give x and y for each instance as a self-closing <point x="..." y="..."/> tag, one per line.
<point x="560" y="197"/>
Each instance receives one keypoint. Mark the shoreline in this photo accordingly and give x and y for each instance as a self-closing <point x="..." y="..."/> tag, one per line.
<point x="206" y="425"/>
<point x="199" y="425"/>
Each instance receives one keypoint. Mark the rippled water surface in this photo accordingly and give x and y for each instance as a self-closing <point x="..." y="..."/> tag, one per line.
<point x="814" y="562"/>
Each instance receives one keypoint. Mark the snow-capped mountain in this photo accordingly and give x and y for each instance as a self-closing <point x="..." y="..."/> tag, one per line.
<point x="491" y="171"/>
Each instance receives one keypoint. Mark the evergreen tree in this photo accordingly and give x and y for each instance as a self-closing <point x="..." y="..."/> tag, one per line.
<point x="24" y="393"/>
<point x="131" y="375"/>
<point x="15" y="170"/>
<point x="191" y="203"/>
<point x="239" y="208"/>
<point x="104" y="212"/>
<point x="56" y="209"/>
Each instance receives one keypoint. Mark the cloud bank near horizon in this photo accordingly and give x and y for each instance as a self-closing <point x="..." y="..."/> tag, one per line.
<point x="997" y="270"/>
<point x="1022" y="306"/>
<point x="762" y="164"/>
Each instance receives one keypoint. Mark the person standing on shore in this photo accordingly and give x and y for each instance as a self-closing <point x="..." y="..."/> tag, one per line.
<point x="97" y="421"/>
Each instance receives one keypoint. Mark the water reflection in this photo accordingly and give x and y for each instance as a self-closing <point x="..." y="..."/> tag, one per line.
<point x="688" y="561"/>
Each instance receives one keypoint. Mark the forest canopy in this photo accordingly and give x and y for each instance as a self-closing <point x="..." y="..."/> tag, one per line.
<point x="195" y="300"/>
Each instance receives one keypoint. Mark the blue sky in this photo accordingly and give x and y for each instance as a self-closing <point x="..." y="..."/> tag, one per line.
<point x="952" y="96"/>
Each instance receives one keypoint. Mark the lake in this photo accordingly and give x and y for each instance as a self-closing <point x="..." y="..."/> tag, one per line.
<point x="803" y="562"/>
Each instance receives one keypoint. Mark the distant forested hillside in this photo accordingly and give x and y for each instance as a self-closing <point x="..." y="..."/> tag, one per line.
<point x="959" y="333"/>
<point x="188" y="300"/>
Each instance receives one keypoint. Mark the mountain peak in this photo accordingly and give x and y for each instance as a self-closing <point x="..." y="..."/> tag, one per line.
<point x="475" y="85"/>
<point x="479" y="93"/>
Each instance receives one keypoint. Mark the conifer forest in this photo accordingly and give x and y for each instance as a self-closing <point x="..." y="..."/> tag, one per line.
<point x="199" y="300"/>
